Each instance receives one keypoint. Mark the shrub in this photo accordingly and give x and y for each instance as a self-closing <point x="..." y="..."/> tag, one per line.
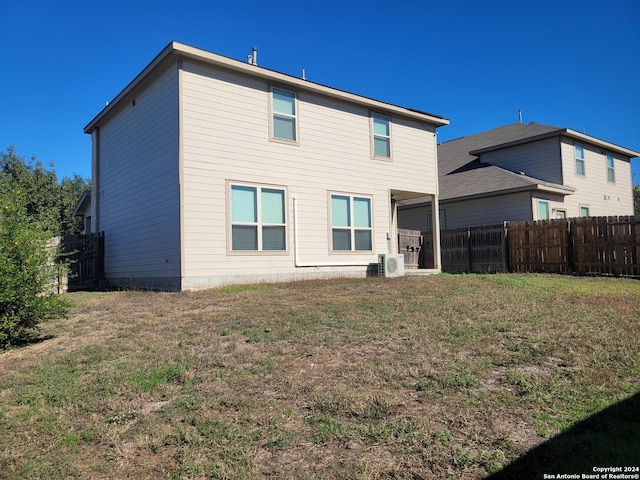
<point x="27" y="272"/>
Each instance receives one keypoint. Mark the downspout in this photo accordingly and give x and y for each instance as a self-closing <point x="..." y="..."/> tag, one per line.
<point x="393" y="228"/>
<point x="95" y="181"/>
<point x="435" y="206"/>
<point x="296" y="256"/>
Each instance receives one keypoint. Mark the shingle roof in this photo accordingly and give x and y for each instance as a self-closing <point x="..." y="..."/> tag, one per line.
<point x="462" y="175"/>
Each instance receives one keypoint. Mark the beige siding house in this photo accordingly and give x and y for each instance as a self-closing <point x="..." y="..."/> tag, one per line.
<point x="209" y="171"/>
<point x="525" y="172"/>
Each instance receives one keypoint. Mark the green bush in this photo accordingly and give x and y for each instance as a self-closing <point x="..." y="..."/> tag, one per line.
<point x="27" y="271"/>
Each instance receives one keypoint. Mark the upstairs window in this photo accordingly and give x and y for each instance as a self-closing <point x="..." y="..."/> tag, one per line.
<point x="283" y="108"/>
<point x="611" y="168"/>
<point x="579" y="154"/>
<point x="381" y="129"/>
<point x="257" y="218"/>
<point x="351" y="223"/>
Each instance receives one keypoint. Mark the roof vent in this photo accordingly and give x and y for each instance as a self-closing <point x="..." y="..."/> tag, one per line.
<point x="253" y="58"/>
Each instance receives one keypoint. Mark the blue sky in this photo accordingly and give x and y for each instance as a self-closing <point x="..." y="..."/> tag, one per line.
<point x="573" y="63"/>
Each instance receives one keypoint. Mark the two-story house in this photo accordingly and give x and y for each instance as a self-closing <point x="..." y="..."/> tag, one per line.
<point x="209" y="171"/>
<point x="525" y="172"/>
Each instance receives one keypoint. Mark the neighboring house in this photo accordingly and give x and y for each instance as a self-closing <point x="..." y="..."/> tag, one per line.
<point x="209" y="171"/>
<point x="525" y="172"/>
<point x="83" y="209"/>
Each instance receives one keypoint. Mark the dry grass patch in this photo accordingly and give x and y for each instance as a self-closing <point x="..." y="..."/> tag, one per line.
<point x="430" y="377"/>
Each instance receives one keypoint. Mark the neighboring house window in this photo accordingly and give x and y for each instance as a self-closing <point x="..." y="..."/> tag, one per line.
<point x="584" y="211"/>
<point x="257" y="218"/>
<point x="283" y="109"/>
<point x="381" y="128"/>
<point x="351" y="223"/>
<point x="611" y="168"/>
<point x="543" y="210"/>
<point x="579" y="153"/>
<point x="443" y="220"/>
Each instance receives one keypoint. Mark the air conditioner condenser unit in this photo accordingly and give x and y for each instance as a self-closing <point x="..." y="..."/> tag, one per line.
<point x="391" y="265"/>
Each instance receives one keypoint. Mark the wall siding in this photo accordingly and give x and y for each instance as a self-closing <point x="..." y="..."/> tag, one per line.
<point x="225" y="137"/>
<point x="481" y="211"/>
<point x="139" y="188"/>
<point x="593" y="190"/>
<point x="537" y="159"/>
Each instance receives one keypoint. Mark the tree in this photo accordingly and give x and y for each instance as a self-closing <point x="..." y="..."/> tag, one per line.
<point x="46" y="201"/>
<point x="636" y="199"/>
<point x="34" y="208"/>
<point x="27" y="268"/>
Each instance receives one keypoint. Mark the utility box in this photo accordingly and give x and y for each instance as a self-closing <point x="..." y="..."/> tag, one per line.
<point x="391" y="265"/>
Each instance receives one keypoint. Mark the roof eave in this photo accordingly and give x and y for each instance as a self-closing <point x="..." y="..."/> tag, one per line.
<point x="186" y="51"/>
<point x="83" y="202"/>
<point x="601" y="143"/>
<point x="524" y="188"/>
<point x="166" y="51"/>
<point x="560" y="190"/>
<point x="567" y="132"/>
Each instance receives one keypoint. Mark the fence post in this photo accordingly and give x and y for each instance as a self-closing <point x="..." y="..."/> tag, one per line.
<point x="469" y="251"/>
<point x="505" y="248"/>
<point x="570" y="246"/>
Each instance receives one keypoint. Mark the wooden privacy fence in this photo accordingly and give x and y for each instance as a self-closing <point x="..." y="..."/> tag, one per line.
<point x="539" y="246"/>
<point x="584" y="245"/>
<point x="475" y="249"/>
<point x="588" y="245"/>
<point x="606" y="245"/>
<point x="85" y="254"/>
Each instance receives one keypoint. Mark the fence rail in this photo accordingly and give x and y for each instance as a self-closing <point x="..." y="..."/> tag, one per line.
<point x="588" y="245"/>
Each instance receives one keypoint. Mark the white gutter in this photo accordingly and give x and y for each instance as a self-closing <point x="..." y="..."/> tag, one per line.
<point x="296" y="257"/>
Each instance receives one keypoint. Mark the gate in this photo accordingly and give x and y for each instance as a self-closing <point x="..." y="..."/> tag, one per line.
<point x="410" y="244"/>
<point x="479" y="249"/>
<point x="85" y="254"/>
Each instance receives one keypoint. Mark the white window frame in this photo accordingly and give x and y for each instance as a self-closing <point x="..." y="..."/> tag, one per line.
<point x="260" y="224"/>
<point x="579" y="161"/>
<point x="611" y="168"/>
<point x="374" y="135"/>
<point x="352" y="228"/>
<point x="273" y="114"/>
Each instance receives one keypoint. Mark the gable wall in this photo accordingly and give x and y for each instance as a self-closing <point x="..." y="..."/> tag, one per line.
<point x="138" y="187"/>
<point x="539" y="159"/>
<point x="225" y="118"/>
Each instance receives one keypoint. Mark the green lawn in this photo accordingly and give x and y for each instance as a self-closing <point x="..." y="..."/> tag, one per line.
<point x="418" y="377"/>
